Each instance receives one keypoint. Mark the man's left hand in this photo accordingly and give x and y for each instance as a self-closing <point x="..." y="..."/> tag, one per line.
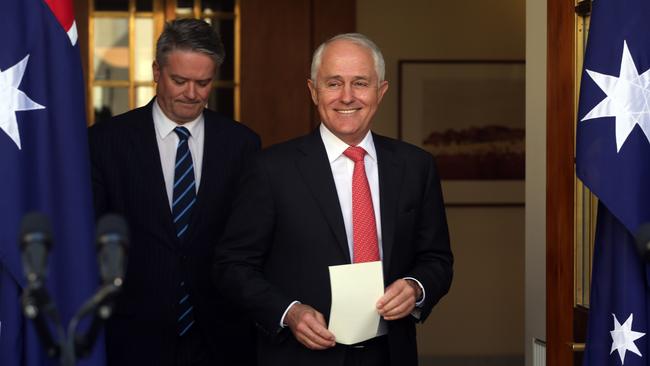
<point x="398" y="300"/>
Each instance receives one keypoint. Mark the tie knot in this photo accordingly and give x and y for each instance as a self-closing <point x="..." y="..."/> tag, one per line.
<point x="182" y="132"/>
<point x="355" y="153"/>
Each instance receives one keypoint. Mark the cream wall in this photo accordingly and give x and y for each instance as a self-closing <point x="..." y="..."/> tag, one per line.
<point x="535" y="174"/>
<point x="482" y="318"/>
<point x="439" y="29"/>
<point x="483" y="314"/>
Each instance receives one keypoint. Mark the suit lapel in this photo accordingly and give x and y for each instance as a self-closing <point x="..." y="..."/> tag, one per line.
<point x="390" y="169"/>
<point x="213" y="146"/>
<point x="151" y="170"/>
<point x="317" y="174"/>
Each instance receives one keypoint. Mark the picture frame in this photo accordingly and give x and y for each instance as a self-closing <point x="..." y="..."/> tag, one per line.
<point x="471" y="116"/>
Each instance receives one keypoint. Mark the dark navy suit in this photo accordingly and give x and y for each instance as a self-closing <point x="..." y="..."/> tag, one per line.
<point x="128" y="180"/>
<point x="286" y="229"/>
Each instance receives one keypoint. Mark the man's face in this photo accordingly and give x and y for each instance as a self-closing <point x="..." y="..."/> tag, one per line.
<point x="347" y="91"/>
<point x="184" y="84"/>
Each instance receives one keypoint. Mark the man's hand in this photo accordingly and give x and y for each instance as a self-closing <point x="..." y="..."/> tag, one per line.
<point x="309" y="328"/>
<point x="399" y="299"/>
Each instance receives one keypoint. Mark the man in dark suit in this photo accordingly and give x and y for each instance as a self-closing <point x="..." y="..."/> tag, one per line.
<point x="170" y="168"/>
<point x="337" y="196"/>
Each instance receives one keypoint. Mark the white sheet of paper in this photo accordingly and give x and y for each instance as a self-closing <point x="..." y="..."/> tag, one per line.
<point x="355" y="291"/>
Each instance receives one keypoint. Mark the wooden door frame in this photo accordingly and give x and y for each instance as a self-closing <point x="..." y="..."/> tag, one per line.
<point x="560" y="130"/>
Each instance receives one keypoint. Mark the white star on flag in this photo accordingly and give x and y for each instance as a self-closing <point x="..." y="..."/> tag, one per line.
<point x="623" y="338"/>
<point x="13" y="100"/>
<point x="627" y="98"/>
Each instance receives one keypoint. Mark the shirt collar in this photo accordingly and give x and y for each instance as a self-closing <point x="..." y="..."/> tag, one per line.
<point x="335" y="147"/>
<point x="165" y="126"/>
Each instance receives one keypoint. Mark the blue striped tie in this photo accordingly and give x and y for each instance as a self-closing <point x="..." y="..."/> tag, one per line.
<point x="183" y="200"/>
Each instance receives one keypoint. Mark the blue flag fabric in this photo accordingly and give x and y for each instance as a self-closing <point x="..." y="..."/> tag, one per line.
<point x="618" y="297"/>
<point x="613" y="160"/>
<point x="44" y="167"/>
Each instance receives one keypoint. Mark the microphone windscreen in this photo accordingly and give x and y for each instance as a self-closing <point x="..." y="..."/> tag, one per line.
<point x="35" y="226"/>
<point x="113" y="225"/>
<point x="642" y="238"/>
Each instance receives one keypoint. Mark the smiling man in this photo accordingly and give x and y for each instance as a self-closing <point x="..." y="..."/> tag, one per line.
<point x="340" y="195"/>
<point x="170" y="168"/>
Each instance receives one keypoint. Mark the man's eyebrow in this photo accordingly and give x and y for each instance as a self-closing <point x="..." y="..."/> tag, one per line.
<point x="358" y="77"/>
<point x="175" y="76"/>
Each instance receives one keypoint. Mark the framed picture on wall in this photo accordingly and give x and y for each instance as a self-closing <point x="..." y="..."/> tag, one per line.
<point x="471" y="116"/>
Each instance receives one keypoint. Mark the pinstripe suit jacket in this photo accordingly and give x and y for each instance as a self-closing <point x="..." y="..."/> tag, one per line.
<point x="128" y="180"/>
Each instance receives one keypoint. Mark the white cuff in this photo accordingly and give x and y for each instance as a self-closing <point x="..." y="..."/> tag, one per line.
<point x="417" y="304"/>
<point x="282" y="325"/>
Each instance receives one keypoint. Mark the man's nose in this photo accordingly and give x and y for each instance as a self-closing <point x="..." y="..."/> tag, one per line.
<point x="190" y="90"/>
<point x="347" y="93"/>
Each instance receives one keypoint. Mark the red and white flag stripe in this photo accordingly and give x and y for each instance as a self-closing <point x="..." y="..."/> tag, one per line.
<point x="64" y="12"/>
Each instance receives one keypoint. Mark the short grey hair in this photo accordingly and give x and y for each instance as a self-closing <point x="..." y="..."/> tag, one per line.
<point x="357" y="38"/>
<point x="190" y="35"/>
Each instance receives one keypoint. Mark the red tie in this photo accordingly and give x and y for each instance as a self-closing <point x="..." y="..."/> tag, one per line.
<point x="364" y="227"/>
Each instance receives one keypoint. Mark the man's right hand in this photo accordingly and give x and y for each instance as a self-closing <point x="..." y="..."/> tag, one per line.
<point x="309" y="328"/>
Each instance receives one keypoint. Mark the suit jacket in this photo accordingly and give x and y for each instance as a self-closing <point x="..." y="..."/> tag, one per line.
<point x="286" y="229"/>
<point x="128" y="180"/>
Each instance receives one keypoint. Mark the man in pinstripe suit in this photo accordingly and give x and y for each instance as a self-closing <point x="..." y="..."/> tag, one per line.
<point x="169" y="168"/>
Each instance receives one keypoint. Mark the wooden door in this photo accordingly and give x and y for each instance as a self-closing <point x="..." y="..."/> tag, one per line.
<point x="566" y="316"/>
<point x="277" y="41"/>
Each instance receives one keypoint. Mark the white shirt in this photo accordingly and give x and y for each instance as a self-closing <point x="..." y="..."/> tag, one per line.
<point x="168" y="141"/>
<point x="343" y="169"/>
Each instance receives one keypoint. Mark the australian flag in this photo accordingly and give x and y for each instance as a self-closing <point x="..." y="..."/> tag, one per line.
<point x="44" y="167"/>
<point x="613" y="160"/>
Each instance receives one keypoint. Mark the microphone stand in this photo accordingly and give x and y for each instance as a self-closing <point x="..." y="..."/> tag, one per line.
<point x="37" y="305"/>
<point x="101" y="305"/>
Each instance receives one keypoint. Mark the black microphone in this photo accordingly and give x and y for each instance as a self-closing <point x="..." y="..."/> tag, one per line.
<point x="642" y="238"/>
<point x="35" y="243"/>
<point x="112" y="243"/>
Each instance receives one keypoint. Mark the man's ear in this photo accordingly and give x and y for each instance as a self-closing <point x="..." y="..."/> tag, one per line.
<point x="156" y="71"/>
<point x="383" y="88"/>
<point x="312" y="91"/>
